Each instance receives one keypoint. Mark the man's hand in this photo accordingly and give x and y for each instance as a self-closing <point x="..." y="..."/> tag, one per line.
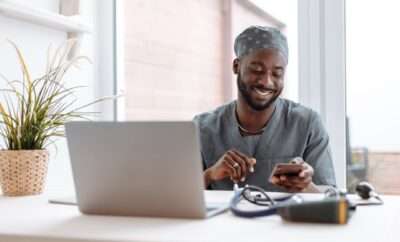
<point x="299" y="183"/>
<point x="232" y="164"/>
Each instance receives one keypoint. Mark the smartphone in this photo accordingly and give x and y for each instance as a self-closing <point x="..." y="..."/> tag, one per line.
<point x="286" y="169"/>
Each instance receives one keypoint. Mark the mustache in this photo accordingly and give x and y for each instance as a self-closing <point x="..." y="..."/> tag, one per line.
<point x="264" y="88"/>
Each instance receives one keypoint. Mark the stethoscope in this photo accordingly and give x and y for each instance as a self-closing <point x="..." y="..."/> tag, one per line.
<point x="261" y="199"/>
<point x="271" y="205"/>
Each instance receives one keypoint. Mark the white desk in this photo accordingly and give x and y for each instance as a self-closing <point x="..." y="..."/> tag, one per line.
<point x="34" y="219"/>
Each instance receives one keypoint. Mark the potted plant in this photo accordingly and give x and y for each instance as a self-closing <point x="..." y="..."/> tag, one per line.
<point x="33" y="113"/>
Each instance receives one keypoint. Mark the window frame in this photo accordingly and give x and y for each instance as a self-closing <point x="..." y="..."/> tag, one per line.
<point x="322" y="72"/>
<point x="106" y="56"/>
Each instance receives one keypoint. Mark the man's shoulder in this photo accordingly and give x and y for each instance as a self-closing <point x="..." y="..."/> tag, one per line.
<point x="215" y="116"/>
<point x="297" y="113"/>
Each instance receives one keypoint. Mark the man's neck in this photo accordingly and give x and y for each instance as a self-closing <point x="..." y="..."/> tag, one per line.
<point x="251" y="119"/>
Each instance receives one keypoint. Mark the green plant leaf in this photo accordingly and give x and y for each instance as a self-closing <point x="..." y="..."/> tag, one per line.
<point x="35" y="110"/>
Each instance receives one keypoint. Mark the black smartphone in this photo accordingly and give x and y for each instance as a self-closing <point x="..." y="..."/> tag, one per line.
<point x="287" y="169"/>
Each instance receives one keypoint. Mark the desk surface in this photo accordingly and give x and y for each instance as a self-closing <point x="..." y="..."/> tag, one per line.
<point x="34" y="219"/>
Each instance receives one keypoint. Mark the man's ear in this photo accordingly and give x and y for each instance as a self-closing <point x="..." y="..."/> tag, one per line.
<point x="235" y="66"/>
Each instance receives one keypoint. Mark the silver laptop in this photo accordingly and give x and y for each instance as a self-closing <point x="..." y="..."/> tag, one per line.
<point x="138" y="169"/>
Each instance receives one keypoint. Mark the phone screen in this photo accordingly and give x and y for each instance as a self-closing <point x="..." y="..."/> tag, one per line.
<point x="286" y="169"/>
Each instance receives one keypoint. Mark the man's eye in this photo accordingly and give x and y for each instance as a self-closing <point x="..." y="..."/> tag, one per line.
<point x="255" y="67"/>
<point x="256" y="70"/>
<point x="277" y="74"/>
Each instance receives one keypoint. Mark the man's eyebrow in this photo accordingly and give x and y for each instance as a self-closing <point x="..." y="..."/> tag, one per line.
<point x="256" y="63"/>
<point x="281" y="68"/>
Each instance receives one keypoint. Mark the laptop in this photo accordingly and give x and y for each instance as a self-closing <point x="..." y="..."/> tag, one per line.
<point x="138" y="169"/>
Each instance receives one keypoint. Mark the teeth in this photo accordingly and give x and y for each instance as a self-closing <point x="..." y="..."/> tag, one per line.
<point x="263" y="93"/>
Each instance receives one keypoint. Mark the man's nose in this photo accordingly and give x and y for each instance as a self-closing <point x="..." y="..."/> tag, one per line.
<point x="267" y="80"/>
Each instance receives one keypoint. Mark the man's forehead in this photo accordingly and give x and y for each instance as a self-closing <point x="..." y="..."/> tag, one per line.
<point x="265" y="57"/>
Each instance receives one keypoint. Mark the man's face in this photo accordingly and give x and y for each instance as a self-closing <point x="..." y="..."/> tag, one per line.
<point x="260" y="77"/>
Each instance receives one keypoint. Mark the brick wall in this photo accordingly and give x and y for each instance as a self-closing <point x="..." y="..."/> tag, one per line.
<point x="384" y="171"/>
<point x="173" y="62"/>
<point x="178" y="56"/>
<point x="381" y="169"/>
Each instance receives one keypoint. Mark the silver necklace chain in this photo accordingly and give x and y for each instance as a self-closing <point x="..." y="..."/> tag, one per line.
<point x="246" y="131"/>
<point x="251" y="132"/>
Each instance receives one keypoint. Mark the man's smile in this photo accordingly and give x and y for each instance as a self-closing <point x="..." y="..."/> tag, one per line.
<point x="263" y="92"/>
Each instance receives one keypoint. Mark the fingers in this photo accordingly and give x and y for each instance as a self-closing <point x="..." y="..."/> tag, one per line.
<point x="282" y="182"/>
<point x="237" y="170"/>
<point x="294" y="179"/>
<point x="297" y="180"/>
<point x="295" y="183"/>
<point x="297" y="160"/>
<point x="242" y="163"/>
<point x="239" y="164"/>
<point x="307" y="171"/>
<point x="250" y="162"/>
<point x="231" y="171"/>
<point x="291" y="183"/>
<point x="233" y="164"/>
<point x="274" y="180"/>
<point x="298" y="183"/>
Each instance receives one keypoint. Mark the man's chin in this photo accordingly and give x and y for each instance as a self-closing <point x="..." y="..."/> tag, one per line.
<point x="257" y="106"/>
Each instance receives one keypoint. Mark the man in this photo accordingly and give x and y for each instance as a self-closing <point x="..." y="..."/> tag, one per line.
<point x="243" y="140"/>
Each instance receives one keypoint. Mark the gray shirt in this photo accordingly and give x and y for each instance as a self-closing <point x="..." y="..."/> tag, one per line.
<point x="292" y="131"/>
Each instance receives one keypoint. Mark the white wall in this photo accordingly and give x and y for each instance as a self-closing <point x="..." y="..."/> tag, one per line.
<point x="49" y="5"/>
<point x="34" y="41"/>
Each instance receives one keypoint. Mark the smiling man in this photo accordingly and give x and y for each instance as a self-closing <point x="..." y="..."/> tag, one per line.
<point x="243" y="140"/>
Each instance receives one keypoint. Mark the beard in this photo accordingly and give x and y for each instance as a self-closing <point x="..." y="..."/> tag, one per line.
<point x="245" y="91"/>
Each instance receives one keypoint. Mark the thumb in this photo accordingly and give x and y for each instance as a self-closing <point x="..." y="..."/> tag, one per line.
<point x="252" y="164"/>
<point x="297" y="160"/>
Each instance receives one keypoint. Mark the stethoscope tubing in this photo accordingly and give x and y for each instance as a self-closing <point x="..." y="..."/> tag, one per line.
<point x="270" y="210"/>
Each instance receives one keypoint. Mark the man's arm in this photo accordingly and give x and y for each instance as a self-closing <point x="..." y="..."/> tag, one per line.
<point x="317" y="174"/>
<point x="318" y="154"/>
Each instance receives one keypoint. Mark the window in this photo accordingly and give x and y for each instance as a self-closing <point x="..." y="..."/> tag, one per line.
<point x="175" y="56"/>
<point x="373" y="82"/>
